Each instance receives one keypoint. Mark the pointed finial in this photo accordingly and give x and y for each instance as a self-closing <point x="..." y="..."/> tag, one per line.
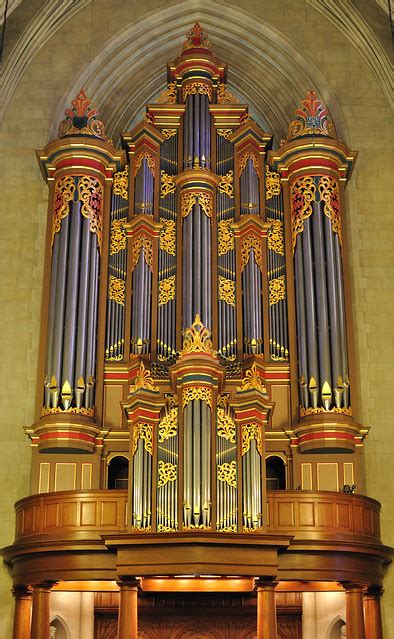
<point x="312" y="118"/>
<point x="81" y="119"/>
<point x="196" y="38"/>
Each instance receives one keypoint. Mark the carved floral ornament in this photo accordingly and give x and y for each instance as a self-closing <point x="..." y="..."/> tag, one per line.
<point x="143" y="380"/>
<point x="275" y="236"/>
<point x="145" y="432"/>
<point x="197" y="339"/>
<point x="142" y="243"/>
<point x="196" y="38"/>
<point x="166" y="472"/>
<point x="166" y="290"/>
<point x="277" y="290"/>
<point x="194" y="393"/>
<point x="227" y="472"/>
<point x="249" y="432"/>
<point x="225" y="237"/>
<point x="121" y="183"/>
<point x="226" y="290"/>
<point x="89" y="193"/>
<point x="224" y="96"/>
<point x="312" y="118"/>
<point x="192" y="88"/>
<point x="81" y="119"/>
<point x="167" y="184"/>
<point x="252" y="381"/>
<point x="225" y="426"/>
<point x="243" y="160"/>
<point x="118" y="236"/>
<point x="226" y="184"/>
<point x="168" y="426"/>
<point x="167" y="241"/>
<point x="144" y="155"/>
<point x="250" y="243"/>
<point x="203" y="198"/>
<point x="304" y="192"/>
<point x="116" y="290"/>
<point x="272" y="183"/>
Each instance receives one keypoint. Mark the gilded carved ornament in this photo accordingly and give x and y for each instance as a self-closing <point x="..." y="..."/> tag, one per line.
<point x="121" y="183"/>
<point x="303" y="193"/>
<point x="275" y="236"/>
<point x="116" y="290"/>
<point x="224" y="96"/>
<point x="277" y="290"/>
<point x="81" y="119"/>
<point x="196" y="38"/>
<point x="194" y="393"/>
<point x="90" y="193"/>
<point x="250" y="243"/>
<point x="85" y="412"/>
<point x="249" y="432"/>
<point x="144" y="155"/>
<point x="168" y="426"/>
<point x="64" y="194"/>
<point x="143" y="380"/>
<point x="252" y="381"/>
<point x="305" y="412"/>
<point x="226" y="184"/>
<point x="197" y="339"/>
<point x="329" y="195"/>
<point x="167" y="236"/>
<point x="145" y="432"/>
<point x="249" y="155"/>
<point x="204" y="199"/>
<point x="272" y="183"/>
<point x="224" y="133"/>
<point x="142" y="243"/>
<point x="227" y="472"/>
<point x="166" y="472"/>
<point x="169" y="133"/>
<point x="226" y="290"/>
<point x="169" y="95"/>
<point x="118" y="236"/>
<point x="225" y="426"/>
<point x="166" y="290"/>
<point x="167" y="184"/>
<point x="312" y="118"/>
<point x="197" y="87"/>
<point x="225" y="237"/>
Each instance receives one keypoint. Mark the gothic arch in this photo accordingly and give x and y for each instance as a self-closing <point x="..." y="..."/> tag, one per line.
<point x="62" y="631"/>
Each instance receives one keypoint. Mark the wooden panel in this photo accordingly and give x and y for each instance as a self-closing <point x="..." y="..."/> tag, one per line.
<point x="357" y="518"/>
<point x="343" y="516"/>
<point x="88" y="513"/>
<point x="306" y="476"/>
<point x="27" y="525"/>
<point x="65" y="475"/>
<point x="306" y="513"/>
<point x="286" y="514"/>
<point x="37" y="515"/>
<point x="69" y="514"/>
<point x="367" y="521"/>
<point x="112" y="411"/>
<point x="86" y="476"/>
<point x="43" y="481"/>
<point x="327" y="476"/>
<point x="325" y="514"/>
<point x="348" y="473"/>
<point x="51" y="515"/>
<point x="109" y="513"/>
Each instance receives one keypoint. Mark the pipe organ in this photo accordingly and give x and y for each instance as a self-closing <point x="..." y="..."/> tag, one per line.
<point x="197" y="301"/>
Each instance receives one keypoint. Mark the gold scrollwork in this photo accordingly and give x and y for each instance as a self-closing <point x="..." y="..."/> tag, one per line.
<point x="167" y="185"/>
<point x="249" y="432"/>
<point x="197" y="87"/>
<point x="224" y="96"/>
<point x="305" y="412"/>
<point x="166" y="290"/>
<point x="251" y="243"/>
<point x="252" y="381"/>
<point x="225" y="237"/>
<point x="145" y="432"/>
<point x="329" y="194"/>
<point x="168" y="426"/>
<point x="224" y="133"/>
<point x="249" y="155"/>
<point x="228" y="472"/>
<point x="121" y="183"/>
<point x="197" y="392"/>
<point x="303" y="193"/>
<point x="275" y="236"/>
<point x="143" y="379"/>
<point x="225" y="426"/>
<point x="197" y="339"/>
<point x="142" y="243"/>
<point x="272" y="183"/>
<point x="116" y="290"/>
<point x="86" y="412"/>
<point x="118" y="236"/>
<point x="166" y="472"/>
<point x="144" y="155"/>
<point x="169" y="95"/>
<point x="277" y="290"/>
<point x="188" y="200"/>
<point x="226" y="184"/>
<point x="64" y="193"/>
<point x="90" y="193"/>
<point x="169" y="133"/>
<point x="226" y="290"/>
<point x="167" y="236"/>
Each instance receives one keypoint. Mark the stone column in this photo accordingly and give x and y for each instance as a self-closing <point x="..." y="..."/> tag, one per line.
<point x="266" y="611"/>
<point x="40" y="614"/>
<point x="22" y="612"/>
<point x="354" y="612"/>
<point x="128" y="610"/>
<point x="372" y="613"/>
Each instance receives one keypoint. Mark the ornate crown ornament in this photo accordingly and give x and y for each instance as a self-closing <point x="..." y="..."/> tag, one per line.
<point x="196" y="38"/>
<point x="313" y="118"/>
<point x="197" y="339"/>
<point x="81" y="119"/>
